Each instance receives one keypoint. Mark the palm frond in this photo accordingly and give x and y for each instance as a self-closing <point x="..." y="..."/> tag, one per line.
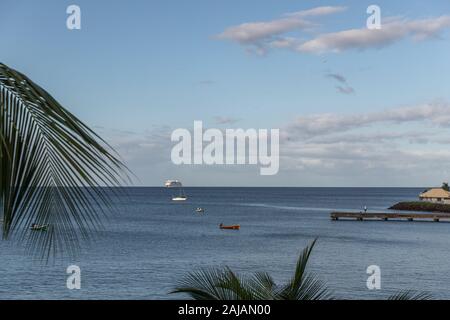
<point x="310" y="288"/>
<point x="51" y="167"/>
<point x="238" y="286"/>
<point x="303" y="285"/>
<point x="262" y="286"/>
<point x="224" y="284"/>
<point x="207" y="284"/>
<point x="410" y="295"/>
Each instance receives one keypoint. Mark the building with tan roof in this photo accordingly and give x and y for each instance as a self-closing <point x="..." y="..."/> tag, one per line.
<point x="437" y="195"/>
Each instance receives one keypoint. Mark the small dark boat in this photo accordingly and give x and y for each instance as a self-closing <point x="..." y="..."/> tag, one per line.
<point x="36" y="227"/>
<point x="232" y="227"/>
<point x="200" y="210"/>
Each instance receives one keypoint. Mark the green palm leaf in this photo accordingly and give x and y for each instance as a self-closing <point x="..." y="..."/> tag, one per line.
<point x="224" y="284"/>
<point x="410" y="295"/>
<point x="236" y="285"/>
<point x="263" y="286"/>
<point x="51" y="167"/>
<point x="207" y="284"/>
<point x="304" y="285"/>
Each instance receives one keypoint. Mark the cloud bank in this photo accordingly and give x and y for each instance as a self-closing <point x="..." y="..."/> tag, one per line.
<point x="433" y="113"/>
<point x="259" y="37"/>
<point x="395" y="146"/>
<point x="361" y="39"/>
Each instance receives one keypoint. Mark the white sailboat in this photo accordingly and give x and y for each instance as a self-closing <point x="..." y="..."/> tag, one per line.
<point x="179" y="198"/>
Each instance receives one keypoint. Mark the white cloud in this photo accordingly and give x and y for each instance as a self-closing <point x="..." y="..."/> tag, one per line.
<point x="283" y="42"/>
<point x="249" y="33"/>
<point x="318" y="11"/>
<point x="399" y="146"/>
<point x="259" y="35"/>
<point x="364" y="38"/>
<point x="437" y="113"/>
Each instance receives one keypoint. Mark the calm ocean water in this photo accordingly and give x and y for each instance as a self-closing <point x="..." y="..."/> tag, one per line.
<point x="151" y="243"/>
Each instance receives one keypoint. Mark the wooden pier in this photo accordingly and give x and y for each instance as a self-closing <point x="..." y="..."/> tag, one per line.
<point x="359" y="216"/>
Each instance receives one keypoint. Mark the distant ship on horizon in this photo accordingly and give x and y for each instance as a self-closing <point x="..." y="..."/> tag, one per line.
<point x="172" y="183"/>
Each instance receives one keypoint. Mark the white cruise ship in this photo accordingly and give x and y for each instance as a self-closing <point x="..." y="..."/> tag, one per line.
<point x="172" y="183"/>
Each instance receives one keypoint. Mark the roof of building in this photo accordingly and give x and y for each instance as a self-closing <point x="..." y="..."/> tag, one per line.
<point x="435" y="193"/>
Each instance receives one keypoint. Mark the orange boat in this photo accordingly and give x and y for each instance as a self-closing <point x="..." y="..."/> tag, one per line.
<point x="234" y="227"/>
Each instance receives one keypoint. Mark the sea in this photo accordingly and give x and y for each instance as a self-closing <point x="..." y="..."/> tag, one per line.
<point x="150" y="243"/>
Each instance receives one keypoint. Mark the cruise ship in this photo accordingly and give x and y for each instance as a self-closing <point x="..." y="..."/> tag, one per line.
<point x="172" y="183"/>
<point x="176" y="184"/>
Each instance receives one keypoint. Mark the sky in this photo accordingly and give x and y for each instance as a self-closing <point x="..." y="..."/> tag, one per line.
<point x="355" y="107"/>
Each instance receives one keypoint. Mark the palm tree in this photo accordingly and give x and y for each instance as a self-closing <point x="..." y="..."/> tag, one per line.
<point x="224" y="284"/>
<point x="51" y="166"/>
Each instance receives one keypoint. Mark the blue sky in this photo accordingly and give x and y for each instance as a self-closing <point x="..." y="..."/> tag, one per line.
<point x="139" y="69"/>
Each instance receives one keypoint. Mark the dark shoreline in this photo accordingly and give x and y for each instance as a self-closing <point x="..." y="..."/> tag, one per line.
<point x="421" y="206"/>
